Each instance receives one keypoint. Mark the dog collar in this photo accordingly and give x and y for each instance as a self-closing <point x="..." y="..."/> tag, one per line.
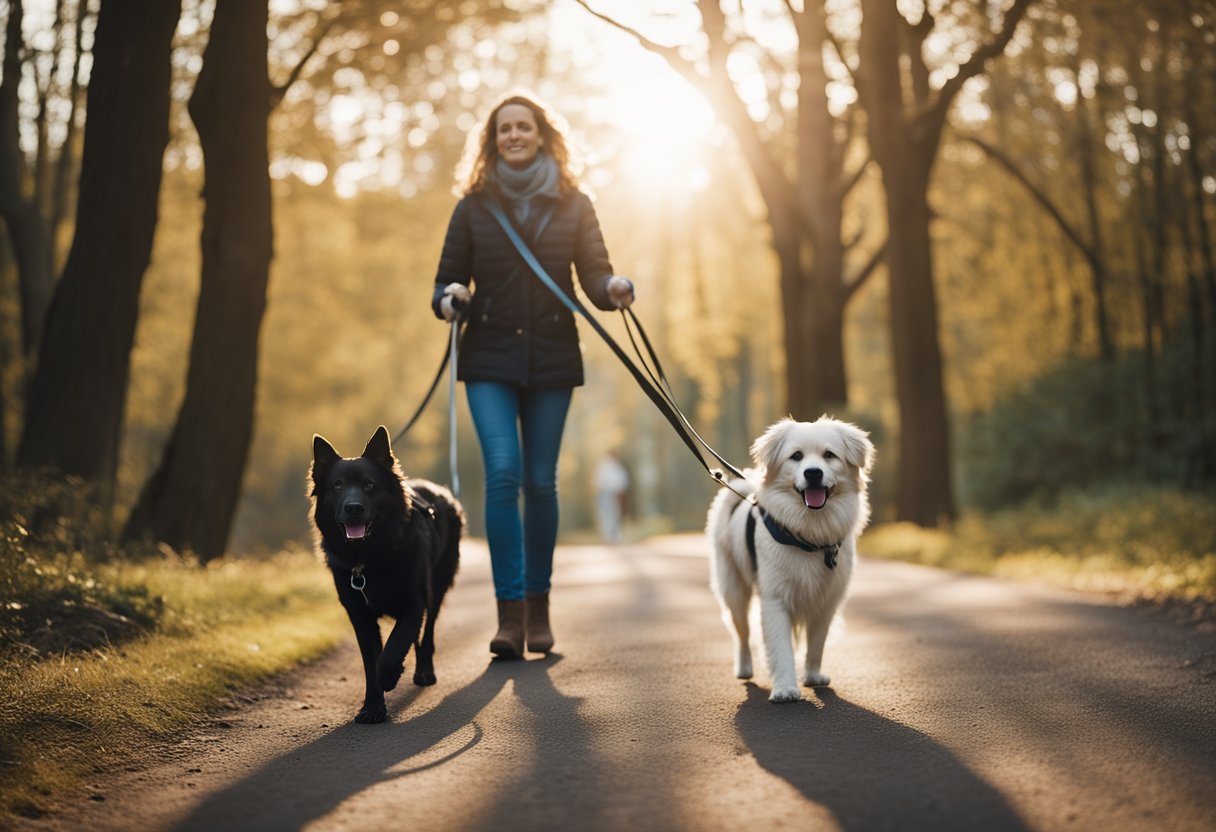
<point x="783" y="535"/>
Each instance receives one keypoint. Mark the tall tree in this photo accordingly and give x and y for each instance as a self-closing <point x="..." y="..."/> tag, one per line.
<point x="804" y="195"/>
<point x="905" y="118"/>
<point x="77" y="395"/>
<point x="59" y="182"/>
<point x="190" y="500"/>
<point x="19" y="205"/>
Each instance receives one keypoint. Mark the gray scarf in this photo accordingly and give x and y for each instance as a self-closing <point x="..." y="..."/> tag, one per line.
<point x="521" y="186"/>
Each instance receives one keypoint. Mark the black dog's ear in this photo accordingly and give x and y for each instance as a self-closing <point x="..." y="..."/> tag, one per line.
<point x="323" y="456"/>
<point x="378" y="448"/>
<point x="323" y="453"/>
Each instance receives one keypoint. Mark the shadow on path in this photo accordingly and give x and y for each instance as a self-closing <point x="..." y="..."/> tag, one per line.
<point x="311" y="781"/>
<point x="869" y="772"/>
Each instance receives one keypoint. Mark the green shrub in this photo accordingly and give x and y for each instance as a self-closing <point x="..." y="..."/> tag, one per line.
<point x="1087" y="424"/>
<point x="53" y="598"/>
<point x="1146" y="542"/>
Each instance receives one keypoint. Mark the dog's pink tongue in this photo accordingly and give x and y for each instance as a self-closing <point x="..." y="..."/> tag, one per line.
<point x="354" y="532"/>
<point x="815" y="497"/>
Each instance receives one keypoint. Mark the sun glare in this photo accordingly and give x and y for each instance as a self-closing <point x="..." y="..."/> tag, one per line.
<point x="668" y="129"/>
<point x="665" y="124"/>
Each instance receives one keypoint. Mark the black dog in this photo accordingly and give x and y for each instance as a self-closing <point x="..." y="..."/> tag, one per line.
<point x="393" y="545"/>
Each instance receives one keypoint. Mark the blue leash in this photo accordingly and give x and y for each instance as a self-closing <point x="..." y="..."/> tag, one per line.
<point x="454" y="352"/>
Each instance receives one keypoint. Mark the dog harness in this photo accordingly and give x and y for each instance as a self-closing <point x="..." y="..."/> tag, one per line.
<point x="784" y="536"/>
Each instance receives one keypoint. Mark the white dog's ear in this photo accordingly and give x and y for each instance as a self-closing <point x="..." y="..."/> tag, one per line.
<point x="858" y="449"/>
<point x="766" y="450"/>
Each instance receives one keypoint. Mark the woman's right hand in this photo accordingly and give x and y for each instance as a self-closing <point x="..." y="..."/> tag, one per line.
<point x="620" y="291"/>
<point x="455" y="298"/>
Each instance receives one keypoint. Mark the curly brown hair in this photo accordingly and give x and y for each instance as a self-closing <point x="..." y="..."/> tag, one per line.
<point x="480" y="157"/>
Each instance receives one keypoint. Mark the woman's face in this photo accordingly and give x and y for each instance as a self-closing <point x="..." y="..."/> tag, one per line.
<point x="516" y="135"/>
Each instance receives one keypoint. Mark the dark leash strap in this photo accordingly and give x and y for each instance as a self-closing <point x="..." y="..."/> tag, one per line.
<point x="751" y="535"/>
<point x="450" y="356"/>
<point x="659" y="379"/>
<point x="653" y="387"/>
<point x="448" y="350"/>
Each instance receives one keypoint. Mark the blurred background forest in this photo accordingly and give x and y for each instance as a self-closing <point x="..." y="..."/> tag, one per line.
<point x="981" y="230"/>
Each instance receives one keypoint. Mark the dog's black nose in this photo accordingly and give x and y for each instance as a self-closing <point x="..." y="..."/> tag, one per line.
<point x="354" y="509"/>
<point x="813" y="476"/>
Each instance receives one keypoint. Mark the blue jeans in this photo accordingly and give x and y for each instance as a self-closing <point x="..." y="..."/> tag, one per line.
<point x="520" y="431"/>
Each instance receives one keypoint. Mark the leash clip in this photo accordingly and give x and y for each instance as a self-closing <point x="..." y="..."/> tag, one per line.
<point x="359" y="581"/>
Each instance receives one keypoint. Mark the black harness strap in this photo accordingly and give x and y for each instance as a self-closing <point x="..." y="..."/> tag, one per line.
<point x="419" y="501"/>
<point x="751" y="536"/>
<point x="784" y="536"/>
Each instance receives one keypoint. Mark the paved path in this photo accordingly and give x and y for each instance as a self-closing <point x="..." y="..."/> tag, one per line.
<point x="957" y="703"/>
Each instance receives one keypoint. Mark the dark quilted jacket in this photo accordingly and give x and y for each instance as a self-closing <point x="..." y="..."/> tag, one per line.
<point x="518" y="332"/>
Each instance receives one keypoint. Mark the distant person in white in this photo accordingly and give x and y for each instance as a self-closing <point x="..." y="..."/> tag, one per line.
<point x="611" y="483"/>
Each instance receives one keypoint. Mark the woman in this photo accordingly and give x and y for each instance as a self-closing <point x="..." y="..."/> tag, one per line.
<point x="520" y="358"/>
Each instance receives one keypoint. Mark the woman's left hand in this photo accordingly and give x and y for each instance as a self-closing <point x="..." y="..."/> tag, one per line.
<point x="620" y="291"/>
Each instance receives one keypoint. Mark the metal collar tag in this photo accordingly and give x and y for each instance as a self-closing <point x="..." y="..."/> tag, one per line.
<point x="359" y="581"/>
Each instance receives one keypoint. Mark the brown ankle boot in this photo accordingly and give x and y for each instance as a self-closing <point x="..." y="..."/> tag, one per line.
<point x="508" y="642"/>
<point x="540" y="637"/>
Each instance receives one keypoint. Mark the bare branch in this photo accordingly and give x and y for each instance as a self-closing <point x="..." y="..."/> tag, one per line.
<point x="859" y="279"/>
<point x="975" y="64"/>
<point x="278" y="92"/>
<point x="668" y="53"/>
<point x="718" y="89"/>
<point x="66" y="162"/>
<point x="838" y="47"/>
<point x="913" y="42"/>
<point x="1037" y="193"/>
<point x="856" y="177"/>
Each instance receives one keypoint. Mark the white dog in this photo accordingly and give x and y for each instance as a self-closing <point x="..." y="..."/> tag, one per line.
<point x="795" y="546"/>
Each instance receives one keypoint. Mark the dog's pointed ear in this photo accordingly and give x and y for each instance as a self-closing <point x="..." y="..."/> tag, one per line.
<point x="323" y="453"/>
<point x="379" y="450"/>
<point x="858" y="449"/>
<point x="323" y="456"/>
<point x="766" y="450"/>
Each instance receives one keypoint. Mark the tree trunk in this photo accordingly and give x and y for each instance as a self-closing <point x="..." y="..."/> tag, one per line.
<point x="65" y="165"/>
<point x="905" y="122"/>
<point x="76" y="399"/>
<point x="1194" y="166"/>
<point x="26" y="230"/>
<point x="803" y="210"/>
<point x="812" y="318"/>
<point x="815" y="321"/>
<point x="905" y="155"/>
<point x="923" y="482"/>
<point x="819" y="329"/>
<point x="1097" y="260"/>
<point x="190" y="501"/>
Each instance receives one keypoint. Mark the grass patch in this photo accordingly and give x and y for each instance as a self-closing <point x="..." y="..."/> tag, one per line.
<point x="205" y="631"/>
<point x="1155" y="545"/>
